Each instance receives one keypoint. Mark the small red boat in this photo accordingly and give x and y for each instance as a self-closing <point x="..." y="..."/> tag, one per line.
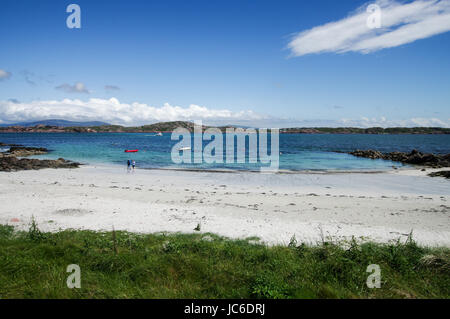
<point x="131" y="151"/>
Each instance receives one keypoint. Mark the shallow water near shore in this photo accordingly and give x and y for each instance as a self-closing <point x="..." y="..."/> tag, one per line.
<point x="298" y="152"/>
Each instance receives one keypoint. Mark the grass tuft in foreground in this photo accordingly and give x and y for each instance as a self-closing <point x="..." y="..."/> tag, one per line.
<point x="126" y="265"/>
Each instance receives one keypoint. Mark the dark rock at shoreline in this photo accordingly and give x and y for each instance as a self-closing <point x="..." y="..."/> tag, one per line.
<point x="414" y="157"/>
<point x="11" y="163"/>
<point x="6" y="144"/>
<point x="445" y="174"/>
<point x="22" y="151"/>
<point x="26" y="151"/>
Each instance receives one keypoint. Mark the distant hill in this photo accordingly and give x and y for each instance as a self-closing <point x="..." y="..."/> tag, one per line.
<point x="56" y="122"/>
<point x="61" y="126"/>
<point x="156" y="127"/>
<point x="370" y="130"/>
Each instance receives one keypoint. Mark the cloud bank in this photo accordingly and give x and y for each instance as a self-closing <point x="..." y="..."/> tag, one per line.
<point x="401" y="23"/>
<point x="383" y="122"/>
<point x="113" y="111"/>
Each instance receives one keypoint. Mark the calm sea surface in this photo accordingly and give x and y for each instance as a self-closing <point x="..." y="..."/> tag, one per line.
<point x="298" y="151"/>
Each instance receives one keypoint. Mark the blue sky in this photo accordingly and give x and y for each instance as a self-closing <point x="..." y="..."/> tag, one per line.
<point x="220" y="61"/>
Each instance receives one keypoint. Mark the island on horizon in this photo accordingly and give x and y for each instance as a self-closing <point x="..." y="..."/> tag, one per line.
<point x="64" y="126"/>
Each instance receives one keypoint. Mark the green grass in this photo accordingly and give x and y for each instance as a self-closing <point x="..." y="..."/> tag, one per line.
<point x="126" y="265"/>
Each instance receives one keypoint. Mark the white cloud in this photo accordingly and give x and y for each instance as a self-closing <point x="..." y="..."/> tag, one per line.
<point x="4" y="75"/>
<point x="115" y="112"/>
<point x="78" y="87"/>
<point x="383" y="122"/>
<point x="401" y="23"/>
<point x="112" y="111"/>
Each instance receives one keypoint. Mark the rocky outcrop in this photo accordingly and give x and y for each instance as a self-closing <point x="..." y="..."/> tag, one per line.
<point x="6" y="144"/>
<point x="414" y="157"/>
<point x="368" y="154"/>
<point x="445" y="174"/>
<point x="11" y="163"/>
<point x="9" y="160"/>
<point x="22" y="151"/>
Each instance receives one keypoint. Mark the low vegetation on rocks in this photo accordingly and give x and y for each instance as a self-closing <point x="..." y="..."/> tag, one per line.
<point x="9" y="164"/>
<point x="414" y="157"/>
<point x="445" y="174"/>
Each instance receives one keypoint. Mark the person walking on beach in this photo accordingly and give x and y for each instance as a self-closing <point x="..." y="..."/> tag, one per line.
<point x="133" y="164"/>
<point x="128" y="165"/>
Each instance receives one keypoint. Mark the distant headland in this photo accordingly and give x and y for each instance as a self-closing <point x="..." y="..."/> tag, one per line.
<point x="63" y="126"/>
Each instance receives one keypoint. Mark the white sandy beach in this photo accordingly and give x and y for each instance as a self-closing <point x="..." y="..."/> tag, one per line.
<point x="272" y="207"/>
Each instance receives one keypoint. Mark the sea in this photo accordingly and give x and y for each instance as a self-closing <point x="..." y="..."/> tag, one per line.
<point x="297" y="152"/>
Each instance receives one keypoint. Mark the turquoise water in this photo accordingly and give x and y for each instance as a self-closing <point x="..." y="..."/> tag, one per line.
<point x="298" y="151"/>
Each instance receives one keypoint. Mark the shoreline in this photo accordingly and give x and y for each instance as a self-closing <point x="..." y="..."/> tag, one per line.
<point x="401" y="167"/>
<point x="232" y="171"/>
